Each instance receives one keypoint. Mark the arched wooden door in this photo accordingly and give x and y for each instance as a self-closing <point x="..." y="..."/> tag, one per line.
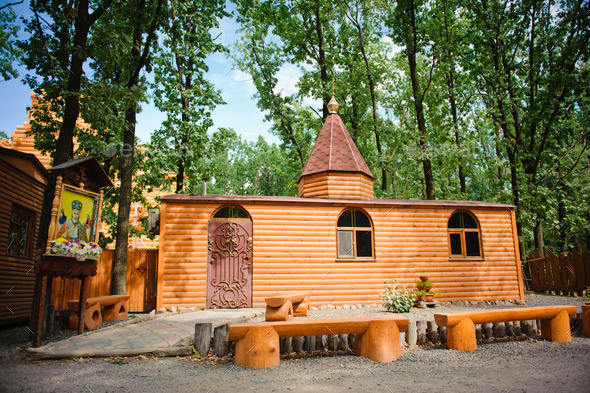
<point x="229" y="272"/>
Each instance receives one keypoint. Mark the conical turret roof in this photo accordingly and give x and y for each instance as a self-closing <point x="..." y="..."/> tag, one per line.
<point x="335" y="151"/>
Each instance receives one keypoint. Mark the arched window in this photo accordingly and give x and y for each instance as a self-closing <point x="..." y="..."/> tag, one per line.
<point x="464" y="236"/>
<point x="355" y="235"/>
<point x="231" y="212"/>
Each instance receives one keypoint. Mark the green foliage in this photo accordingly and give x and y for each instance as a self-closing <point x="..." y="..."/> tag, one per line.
<point x="9" y="50"/>
<point x="504" y="88"/>
<point x="397" y="298"/>
<point x="426" y="285"/>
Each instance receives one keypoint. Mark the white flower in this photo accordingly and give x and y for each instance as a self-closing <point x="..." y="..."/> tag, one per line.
<point x="80" y="250"/>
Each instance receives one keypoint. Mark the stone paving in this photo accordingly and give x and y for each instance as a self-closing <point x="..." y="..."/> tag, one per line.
<point x="165" y="333"/>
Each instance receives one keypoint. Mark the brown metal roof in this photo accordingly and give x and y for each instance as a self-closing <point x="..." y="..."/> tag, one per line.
<point x="334" y="150"/>
<point x="249" y="199"/>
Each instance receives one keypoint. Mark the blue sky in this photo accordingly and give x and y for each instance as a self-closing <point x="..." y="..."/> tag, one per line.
<point x="240" y="112"/>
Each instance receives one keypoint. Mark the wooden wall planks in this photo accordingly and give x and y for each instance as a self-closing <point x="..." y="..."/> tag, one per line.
<point x="295" y="250"/>
<point x="17" y="277"/>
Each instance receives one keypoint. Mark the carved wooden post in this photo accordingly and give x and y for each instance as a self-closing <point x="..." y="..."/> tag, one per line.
<point x="54" y="209"/>
<point x="258" y="349"/>
<point x="462" y="336"/>
<point x="375" y="345"/>
<point x="557" y="329"/>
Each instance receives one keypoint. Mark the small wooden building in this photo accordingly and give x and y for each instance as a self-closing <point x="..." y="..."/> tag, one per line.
<point x="334" y="241"/>
<point x="22" y="184"/>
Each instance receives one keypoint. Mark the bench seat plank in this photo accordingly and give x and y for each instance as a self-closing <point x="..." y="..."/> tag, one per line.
<point x="555" y="323"/>
<point x="102" y="300"/>
<point x="317" y="327"/>
<point x="503" y="315"/>
<point x="279" y="300"/>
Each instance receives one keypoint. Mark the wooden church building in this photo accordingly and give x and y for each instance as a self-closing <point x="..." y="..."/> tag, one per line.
<point x="334" y="240"/>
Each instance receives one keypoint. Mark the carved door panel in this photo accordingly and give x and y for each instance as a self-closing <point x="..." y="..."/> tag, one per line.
<point x="229" y="271"/>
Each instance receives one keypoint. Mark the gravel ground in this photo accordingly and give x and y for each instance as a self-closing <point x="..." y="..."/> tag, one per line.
<point x="525" y="365"/>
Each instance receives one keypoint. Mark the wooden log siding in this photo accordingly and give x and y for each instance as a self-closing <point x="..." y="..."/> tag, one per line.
<point x="339" y="185"/>
<point x="294" y="249"/>
<point x="17" y="276"/>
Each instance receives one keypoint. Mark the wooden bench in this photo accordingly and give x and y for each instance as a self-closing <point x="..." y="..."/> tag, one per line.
<point x="285" y="307"/>
<point x="555" y="323"/>
<point x="377" y="338"/>
<point x="115" y="308"/>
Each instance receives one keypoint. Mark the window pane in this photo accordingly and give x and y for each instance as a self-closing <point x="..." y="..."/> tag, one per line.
<point x="468" y="221"/>
<point x="12" y="238"/>
<point x="345" y="244"/>
<point x="472" y="244"/>
<point x="14" y="218"/>
<point x="361" y="219"/>
<point x="24" y="236"/>
<point x="455" y="220"/>
<point x="345" y="219"/>
<point x="364" y="244"/>
<point x="455" y="243"/>
<point x="230" y="212"/>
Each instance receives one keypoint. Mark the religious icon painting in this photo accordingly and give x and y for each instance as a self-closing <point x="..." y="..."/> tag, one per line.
<point x="78" y="215"/>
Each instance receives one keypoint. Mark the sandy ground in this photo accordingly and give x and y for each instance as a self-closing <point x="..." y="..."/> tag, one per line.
<point x="523" y="365"/>
<point x="517" y="366"/>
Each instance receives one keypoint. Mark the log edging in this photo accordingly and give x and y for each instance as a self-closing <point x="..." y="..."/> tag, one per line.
<point x="423" y="332"/>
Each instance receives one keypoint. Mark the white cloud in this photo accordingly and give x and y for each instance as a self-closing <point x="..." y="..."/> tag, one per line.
<point x="288" y="76"/>
<point x="393" y="48"/>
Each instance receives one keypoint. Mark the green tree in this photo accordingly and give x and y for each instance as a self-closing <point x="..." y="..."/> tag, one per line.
<point x="181" y="90"/>
<point x="528" y="60"/>
<point x="127" y="41"/>
<point x="406" y="25"/>
<point x="9" y="50"/>
<point x="56" y="52"/>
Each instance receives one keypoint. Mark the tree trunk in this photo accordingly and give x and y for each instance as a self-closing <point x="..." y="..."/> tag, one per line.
<point x="64" y="146"/>
<point x="119" y="273"/>
<point x="411" y="47"/>
<point x="538" y="235"/>
<point x="371" y="83"/>
<point x="561" y="213"/>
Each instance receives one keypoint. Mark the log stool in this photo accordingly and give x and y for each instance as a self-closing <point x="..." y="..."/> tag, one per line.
<point x="285" y="307"/>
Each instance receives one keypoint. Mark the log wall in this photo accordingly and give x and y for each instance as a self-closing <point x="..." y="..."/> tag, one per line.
<point x="17" y="277"/>
<point x="336" y="185"/>
<point x="294" y="249"/>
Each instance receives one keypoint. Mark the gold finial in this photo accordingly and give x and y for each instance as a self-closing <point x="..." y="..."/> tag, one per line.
<point x="333" y="104"/>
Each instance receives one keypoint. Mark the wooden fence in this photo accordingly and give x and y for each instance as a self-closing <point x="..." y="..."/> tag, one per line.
<point x="142" y="274"/>
<point x="563" y="274"/>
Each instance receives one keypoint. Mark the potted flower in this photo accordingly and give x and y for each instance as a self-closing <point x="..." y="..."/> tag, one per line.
<point x="424" y="290"/>
<point x="424" y="286"/>
<point x="424" y="296"/>
<point x="423" y="277"/>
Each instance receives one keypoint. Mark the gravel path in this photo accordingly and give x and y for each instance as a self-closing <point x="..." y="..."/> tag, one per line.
<point x="527" y="365"/>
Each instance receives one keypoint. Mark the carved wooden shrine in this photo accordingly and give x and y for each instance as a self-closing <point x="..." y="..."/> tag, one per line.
<point x="79" y="185"/>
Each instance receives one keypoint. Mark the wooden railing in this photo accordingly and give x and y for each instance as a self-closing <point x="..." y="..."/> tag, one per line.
<point x="142" y="273"/>
<point x="563" y="274"/>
